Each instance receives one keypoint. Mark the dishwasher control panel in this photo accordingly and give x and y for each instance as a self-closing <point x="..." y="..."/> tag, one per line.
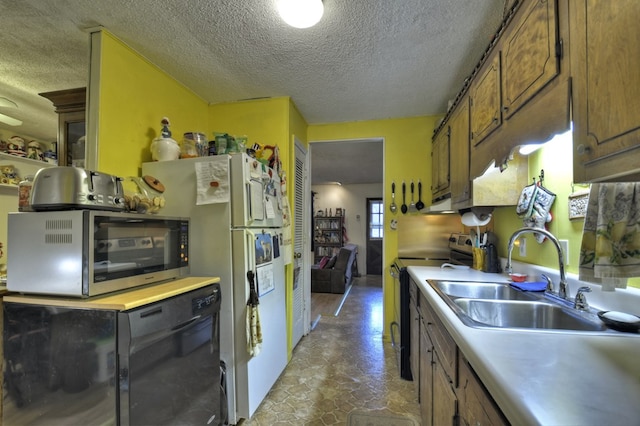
<point x="205" y="302"/>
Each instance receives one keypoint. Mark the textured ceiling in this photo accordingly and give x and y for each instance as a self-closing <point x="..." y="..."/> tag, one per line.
<point x="366" y="59"/>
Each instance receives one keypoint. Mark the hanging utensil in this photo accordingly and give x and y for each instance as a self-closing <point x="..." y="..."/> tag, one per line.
<point x="412" y="206"/>
<point x="393" y="206"/>
<point x="419" y="204"/>
<point x="403" y="207"/>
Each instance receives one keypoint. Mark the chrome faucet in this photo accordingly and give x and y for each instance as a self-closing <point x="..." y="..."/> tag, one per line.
<point x="581" y="300"/>
<point x="563" y="288"/>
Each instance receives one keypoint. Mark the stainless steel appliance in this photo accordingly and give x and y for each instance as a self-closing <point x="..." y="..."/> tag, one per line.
<point x="85" y="253"/>
<point x="423" y="240"/>
<point x="158" y="364"/>
<point x="63" y="188"/>
<point x="238" y="219"/>
<point x="460" y="249"/>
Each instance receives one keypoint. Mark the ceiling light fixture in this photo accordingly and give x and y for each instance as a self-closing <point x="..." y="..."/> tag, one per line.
<point x="5" y="102"/>
<point x="10" y="120"/>
<point x="8" y="103"/>
<point x="300" y="13"/>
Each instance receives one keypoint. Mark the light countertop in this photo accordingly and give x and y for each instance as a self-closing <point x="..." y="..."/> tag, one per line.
<point x="546" y="377"/>
<point x="121" y="301"/>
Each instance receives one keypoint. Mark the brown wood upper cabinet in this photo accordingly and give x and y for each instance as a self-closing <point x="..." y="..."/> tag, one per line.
<point x="459" y="144"/>
<point x="485" y="100"/>
<point x="520" y="93"/>
<point x="530" y="53"/>
<point x="440" y="165"/>
<point x="605" y="60"/>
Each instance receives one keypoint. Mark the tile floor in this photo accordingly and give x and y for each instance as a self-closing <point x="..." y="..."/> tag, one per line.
<point x="342" y="365"/>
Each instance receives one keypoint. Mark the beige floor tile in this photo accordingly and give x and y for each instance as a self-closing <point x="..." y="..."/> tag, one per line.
<point x="342" y="365"/>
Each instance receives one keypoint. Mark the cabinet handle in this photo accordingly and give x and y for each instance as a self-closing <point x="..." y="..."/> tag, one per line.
<point x="582" y="149"/>
<point x="505" y="109"/>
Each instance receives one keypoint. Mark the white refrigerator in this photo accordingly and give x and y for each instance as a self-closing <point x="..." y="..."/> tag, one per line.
<point x="235" y="206"/>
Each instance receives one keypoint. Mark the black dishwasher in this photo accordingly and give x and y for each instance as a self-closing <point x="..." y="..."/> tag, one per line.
<point x="169" y="361"/>
<point x="154" y="365"/>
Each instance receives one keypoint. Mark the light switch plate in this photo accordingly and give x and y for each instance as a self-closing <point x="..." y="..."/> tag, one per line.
<point x="522" y="247"/>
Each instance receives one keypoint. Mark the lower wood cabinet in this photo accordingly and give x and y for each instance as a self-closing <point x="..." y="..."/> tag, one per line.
<point x="478" y="408"/>
<point x="450" y="392"/>
<point x="425" y="377"/>
<point x="445" y="400"/>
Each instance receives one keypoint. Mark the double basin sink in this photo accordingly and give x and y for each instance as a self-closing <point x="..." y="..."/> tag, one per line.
<point x="496" y="305"/>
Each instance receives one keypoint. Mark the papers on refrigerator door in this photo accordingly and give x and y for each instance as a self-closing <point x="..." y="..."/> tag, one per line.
<point x="212" y="180"/>
<point x="266" y="283"/>
<point x="264" y="249"/>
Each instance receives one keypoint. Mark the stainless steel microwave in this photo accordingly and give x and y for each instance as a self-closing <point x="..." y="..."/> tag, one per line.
<point x="83" y="253"/>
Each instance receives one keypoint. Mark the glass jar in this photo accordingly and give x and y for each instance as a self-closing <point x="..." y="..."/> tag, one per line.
<point x="143" y="194"/>
<point x="194" y="145"/>
<point x="24" y="194"/>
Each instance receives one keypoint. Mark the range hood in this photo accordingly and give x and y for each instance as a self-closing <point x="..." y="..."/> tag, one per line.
<point x="440" y="207"/>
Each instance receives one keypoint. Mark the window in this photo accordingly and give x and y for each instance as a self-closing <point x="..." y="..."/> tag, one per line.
<point x="376" y="219"/>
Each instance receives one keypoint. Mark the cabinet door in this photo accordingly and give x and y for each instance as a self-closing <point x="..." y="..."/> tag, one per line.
<point x="485" y="100"/>
<point x="445" y="403"/>
<point x="529" y="59"/>
<point x="605" y="60"/>
<point x="414" y="345"/>
<point x="440" y="163"/>
<point x="426" y="377"/>
<point x="477" y="406"/>
<point x="459" y="146"/>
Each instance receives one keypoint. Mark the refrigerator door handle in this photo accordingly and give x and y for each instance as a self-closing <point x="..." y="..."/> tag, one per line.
<point x="249" y="201"/>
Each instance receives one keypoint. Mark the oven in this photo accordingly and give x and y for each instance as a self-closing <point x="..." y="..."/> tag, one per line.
<point x="459" y="254"/>
<point x="400" y="326"/>
<point x="460" y="249"/>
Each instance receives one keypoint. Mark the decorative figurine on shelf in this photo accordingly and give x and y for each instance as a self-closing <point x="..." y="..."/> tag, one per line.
<point x="34" y="151"/>
<point x="165" y="132"/>
<point x="8" y="175"/>
<point x="164" y="148"/>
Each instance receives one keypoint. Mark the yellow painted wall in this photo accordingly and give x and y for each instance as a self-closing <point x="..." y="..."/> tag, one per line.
<point x="555" y="160"/>
<point x="407" y="156"/>
<point x="134" y="96"/>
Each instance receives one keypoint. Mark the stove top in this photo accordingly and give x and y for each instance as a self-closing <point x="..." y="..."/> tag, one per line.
<point x="403" y="262"/>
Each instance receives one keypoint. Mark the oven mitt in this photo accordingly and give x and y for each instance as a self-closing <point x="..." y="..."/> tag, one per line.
<point x="526" y="201"/>
<point x="540" y="214"/>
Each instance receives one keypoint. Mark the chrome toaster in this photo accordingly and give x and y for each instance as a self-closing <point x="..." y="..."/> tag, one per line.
<point x="66" y="188"/>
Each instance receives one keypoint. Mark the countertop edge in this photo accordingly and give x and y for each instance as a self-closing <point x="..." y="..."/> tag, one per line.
<point x="120" y="301"/>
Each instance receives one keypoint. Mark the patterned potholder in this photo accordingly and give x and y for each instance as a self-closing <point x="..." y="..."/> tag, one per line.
<point x="524" y="208"/>
<point x="540" y="212"/>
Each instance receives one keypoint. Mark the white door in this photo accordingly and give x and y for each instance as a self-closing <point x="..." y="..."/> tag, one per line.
<point x="301" y="231"/>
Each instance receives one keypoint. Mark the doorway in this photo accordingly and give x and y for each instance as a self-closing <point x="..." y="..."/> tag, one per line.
<point x="375" y="235"/>
<point x="345" y="174"/>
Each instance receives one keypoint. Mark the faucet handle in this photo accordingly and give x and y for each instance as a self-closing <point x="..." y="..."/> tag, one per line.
<point x="580" y="302"/>
<point x="549" y="282"/>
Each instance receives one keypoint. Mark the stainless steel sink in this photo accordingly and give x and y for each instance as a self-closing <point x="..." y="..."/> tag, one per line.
<point x="498" y="305"/>
<point x="476" y="290"/>
<point x="526" y="314"/>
